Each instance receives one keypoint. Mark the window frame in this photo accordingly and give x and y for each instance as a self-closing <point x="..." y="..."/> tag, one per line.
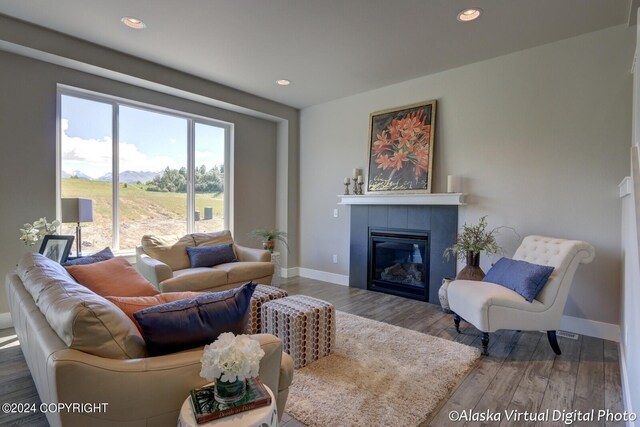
<point x="192" y="119"/>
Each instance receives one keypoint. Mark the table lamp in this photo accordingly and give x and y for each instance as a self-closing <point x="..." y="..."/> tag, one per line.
<point x="77" y="210"/>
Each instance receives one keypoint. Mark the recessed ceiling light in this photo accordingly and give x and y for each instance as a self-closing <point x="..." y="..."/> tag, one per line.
<point x="134" y="23"/>
<point x="283" y="82"/>
<point x="469" y="14"/>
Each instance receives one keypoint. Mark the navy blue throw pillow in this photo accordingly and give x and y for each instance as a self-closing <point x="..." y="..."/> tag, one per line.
<point x="520" y="276"/>
<point x="192" y="323"/>
<point x="103" y="255"/>
<point x="208" y="256"/>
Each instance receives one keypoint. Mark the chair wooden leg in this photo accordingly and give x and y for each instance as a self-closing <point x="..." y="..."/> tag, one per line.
<point x="553" y="341"/>
<point x="485" y="343"/>
<point x="456" y="320"/>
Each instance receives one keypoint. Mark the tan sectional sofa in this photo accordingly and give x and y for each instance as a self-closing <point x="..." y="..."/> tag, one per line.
<point x="163" y="261"/>
<point x="82" y="349"/>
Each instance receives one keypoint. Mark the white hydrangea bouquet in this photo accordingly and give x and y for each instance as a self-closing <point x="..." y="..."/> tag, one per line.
<point x="230" y="360"/>
<point x="31" y="233"/>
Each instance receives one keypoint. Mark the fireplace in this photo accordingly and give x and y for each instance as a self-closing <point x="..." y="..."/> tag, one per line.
<point x="431" y="228"/>
<point x="399" y="262"/>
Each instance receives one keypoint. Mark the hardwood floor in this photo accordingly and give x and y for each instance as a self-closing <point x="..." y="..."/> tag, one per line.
<point x="521" y="373"/>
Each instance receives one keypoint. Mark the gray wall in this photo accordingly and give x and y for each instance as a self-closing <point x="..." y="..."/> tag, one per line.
<point x="28" y="141"/>
<point x="540" y="138"/>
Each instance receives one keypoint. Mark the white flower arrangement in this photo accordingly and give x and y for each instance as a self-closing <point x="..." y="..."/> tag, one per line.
<point x="31" y="233"/>
<point x="231" y="358"/>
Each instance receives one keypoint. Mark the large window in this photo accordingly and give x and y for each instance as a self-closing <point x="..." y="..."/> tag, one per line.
<point x="169" y="176"/>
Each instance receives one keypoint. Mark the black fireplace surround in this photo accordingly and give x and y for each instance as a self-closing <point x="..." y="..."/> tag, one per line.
<point x="399" y="262"/>
<point x="398" y="249"/>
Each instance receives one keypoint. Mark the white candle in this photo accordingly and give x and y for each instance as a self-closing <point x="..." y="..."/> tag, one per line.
<point x="360" y="180"/>
<point x="355" y="173"/>
<point x="347" y="181"/>
<point x="451" y="184"/>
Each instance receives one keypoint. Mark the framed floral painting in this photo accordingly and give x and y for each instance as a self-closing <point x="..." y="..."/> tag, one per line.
<point x="401" y="149"/>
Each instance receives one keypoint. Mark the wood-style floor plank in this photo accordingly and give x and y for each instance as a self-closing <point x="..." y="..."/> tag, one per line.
<point x="521" y="373"/>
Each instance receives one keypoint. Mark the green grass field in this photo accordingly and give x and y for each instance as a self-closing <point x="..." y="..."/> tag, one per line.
<point x="136" y="202"/>
<point x="141" y="211"/>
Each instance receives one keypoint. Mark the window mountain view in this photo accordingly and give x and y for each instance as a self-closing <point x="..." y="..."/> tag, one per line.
<point x="152" y="185"/>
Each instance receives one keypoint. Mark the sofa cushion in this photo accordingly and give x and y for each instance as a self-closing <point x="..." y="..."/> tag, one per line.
<point x="83" y="320"/>
<point x="208" y="256"/>
<point x="172" y="250"/>
<point x="114" y="277"/>
<point x="520" y="276"/>
<point x="130" y="305"/>
<point x="186" y="324"/>
<point x="103" y="255"/>
<point x="245" y="271"/>
<point x="216" y="238"/>
<point x="194" y="279"/>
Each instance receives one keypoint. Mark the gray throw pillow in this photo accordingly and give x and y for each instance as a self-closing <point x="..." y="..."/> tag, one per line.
<point x="209" y="256"/>
<point x="103" y="255"/>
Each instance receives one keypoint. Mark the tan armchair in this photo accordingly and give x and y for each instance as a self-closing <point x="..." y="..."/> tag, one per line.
<point x="163" y="260"/>
<point x="490" y="307"/>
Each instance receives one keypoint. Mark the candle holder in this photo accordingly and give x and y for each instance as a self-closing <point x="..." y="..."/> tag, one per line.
<point x="346" y="188"/>
<point x="355" y="186"/>
<point x="360" y="184"/>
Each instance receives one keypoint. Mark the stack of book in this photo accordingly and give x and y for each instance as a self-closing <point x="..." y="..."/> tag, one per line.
<point x="206" y="408"/>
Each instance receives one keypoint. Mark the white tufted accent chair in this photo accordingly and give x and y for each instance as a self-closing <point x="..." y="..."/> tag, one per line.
<point x="490" y="307"/>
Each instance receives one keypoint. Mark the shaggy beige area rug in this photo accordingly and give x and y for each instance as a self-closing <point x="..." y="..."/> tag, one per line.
<point x="379" y="375"/>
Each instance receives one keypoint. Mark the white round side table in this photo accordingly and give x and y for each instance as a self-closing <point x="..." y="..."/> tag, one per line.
<point x="264" y="416"/>
<point x="275" y="260"/>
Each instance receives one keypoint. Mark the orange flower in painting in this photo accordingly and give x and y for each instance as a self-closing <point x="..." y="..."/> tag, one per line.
<point x="382" y="143"/>
<point x="384" y="162"/>
<point x="398" y="158"/>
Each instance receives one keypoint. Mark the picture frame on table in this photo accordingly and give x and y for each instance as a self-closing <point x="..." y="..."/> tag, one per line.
<point x="401" y="149"/>
<point x="56" y="247"/>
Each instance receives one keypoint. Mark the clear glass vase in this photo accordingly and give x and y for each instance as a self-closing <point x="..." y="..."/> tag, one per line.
<point x="229" y="392"/>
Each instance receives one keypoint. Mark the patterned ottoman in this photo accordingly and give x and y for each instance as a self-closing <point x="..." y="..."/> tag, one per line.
<point x="306" y="326"/>
<point x="262" y="294"/>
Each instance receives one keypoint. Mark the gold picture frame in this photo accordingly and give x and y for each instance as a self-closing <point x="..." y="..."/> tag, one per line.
<point x="401" y="144"/>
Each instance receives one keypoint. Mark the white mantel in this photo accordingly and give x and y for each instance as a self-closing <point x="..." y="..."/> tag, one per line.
<point x="403" y="199"/>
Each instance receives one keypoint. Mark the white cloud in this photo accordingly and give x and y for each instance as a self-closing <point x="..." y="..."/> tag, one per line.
<point x="93" y="156"/>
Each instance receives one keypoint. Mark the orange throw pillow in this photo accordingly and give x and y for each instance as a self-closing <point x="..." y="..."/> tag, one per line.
<point x="114" y="277"/>
<point x="130" y="305"/>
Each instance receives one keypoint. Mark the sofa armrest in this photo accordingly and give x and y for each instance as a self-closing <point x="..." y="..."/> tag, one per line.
<point x="153" y="270"/>
<point x="137" y="388"/>
<point x="252" y="254"/>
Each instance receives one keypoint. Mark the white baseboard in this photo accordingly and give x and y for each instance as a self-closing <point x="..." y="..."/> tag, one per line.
<point x="338" y="279"/>
<point x="624" y="379"/>
<point x="592" y="328"/>
<point x="289" y="272"/>
<point x="5" y="320"/>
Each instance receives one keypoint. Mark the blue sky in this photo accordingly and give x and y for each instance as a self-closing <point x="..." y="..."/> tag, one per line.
<point x="149" y="141"/>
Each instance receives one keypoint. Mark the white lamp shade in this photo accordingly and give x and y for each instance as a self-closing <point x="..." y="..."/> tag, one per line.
<point x="77" y="210"/>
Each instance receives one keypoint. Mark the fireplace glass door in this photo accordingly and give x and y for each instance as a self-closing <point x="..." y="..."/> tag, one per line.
<point x="399" y="264"/>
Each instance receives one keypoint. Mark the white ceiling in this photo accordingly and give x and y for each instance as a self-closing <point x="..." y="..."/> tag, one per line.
<point x="328" y="48"/>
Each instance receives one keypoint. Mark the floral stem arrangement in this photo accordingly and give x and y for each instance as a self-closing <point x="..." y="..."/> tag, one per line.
<point x="268" y="236"/>
<point x="230" y="360"/>
<point x="469" y="244"/>
<point x="31" y="233"/>
<point x="476" y="239"/>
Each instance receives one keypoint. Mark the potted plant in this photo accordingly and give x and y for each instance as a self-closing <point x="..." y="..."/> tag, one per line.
<point x="31" y="233"/>
<point x="474" y="240"/>
<point x="230" y="360"/>
<point x="269" y="236"/>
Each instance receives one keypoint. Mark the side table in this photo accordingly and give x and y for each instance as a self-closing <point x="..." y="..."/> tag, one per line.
<point x="259" y="417"/>
<point x="275" y="260"/>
